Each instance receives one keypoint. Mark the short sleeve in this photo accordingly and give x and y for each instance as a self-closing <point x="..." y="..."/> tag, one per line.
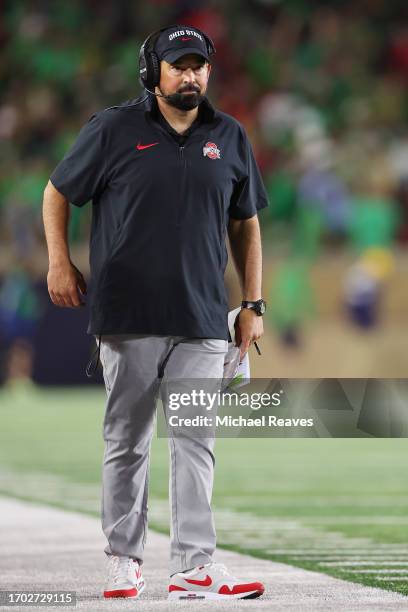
<point x="80" y="175"/>
<point x="249" y="194"/>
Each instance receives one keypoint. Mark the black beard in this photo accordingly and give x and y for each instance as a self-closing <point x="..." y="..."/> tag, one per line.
<point x="185" y="101"/>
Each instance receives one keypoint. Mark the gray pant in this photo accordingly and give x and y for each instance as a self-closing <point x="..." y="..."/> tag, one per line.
<point x="130" y="368"/>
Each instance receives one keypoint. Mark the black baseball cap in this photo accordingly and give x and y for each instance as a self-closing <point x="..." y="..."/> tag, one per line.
<point x="177" y="41"/>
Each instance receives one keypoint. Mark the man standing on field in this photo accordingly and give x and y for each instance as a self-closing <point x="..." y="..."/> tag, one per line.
<point x="169" y="177"/>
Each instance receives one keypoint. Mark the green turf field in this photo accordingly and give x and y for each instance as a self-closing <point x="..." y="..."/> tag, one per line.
<point x="331" y="505"/>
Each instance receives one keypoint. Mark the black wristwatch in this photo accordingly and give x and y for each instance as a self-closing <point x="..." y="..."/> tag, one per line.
<point x="259" y="306"/>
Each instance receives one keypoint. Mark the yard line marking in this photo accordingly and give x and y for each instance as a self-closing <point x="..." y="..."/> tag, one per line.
<point x="351" y="563"/>
<point x="332" y="501"/>
<point x="358" y="520"/>
<point x="379" y="571"/>
<point x="354" y="558"/>
<point x="390" y="579"/>
<point x="323" y="556"/>
<point x="375" y="549"/>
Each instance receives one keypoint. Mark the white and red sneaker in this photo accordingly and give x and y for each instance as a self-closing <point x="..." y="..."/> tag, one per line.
<point x="124" y="578"/>
<point x="212" y="581"/>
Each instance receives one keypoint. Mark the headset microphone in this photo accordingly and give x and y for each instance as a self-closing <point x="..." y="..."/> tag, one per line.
<point x="156" y="94"/>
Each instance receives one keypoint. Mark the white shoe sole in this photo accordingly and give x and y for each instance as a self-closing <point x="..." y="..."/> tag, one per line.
<point x="190" y="595"/>
<point x="140" y="590"/>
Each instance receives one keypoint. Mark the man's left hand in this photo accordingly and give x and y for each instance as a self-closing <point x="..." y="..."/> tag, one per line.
<point x="248" y="327"/>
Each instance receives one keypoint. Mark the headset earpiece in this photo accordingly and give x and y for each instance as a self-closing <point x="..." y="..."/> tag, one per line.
<point x="155" y="69"/>
<point x="209" y="43"/>
<point x="142" y="66"/>
<point x="149" y="64"/>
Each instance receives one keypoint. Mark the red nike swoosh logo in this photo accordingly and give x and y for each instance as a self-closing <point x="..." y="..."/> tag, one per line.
<point x="140" y="147"/>
<point x="186" y="38"/>
<point x="205" y="583"/>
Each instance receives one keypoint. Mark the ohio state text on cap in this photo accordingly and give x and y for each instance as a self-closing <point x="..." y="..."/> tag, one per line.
<point x="174" y="43"/>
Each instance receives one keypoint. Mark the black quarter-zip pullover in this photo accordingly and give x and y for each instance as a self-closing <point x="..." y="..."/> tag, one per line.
<point x="161" y="203"/>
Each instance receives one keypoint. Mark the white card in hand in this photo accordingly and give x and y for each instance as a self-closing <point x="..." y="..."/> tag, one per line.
<point x="236" y="373"/>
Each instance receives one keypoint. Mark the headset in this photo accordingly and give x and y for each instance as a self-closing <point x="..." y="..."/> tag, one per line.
<point x="149" y="63"/>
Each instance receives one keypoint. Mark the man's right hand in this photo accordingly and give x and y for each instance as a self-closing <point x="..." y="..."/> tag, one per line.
<point x="65" y="285"/>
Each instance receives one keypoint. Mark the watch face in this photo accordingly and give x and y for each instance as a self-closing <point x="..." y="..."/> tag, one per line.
<point x="262" y="307"/>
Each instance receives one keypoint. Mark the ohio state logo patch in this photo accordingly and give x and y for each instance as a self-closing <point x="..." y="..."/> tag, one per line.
<point x="211" y="150"/>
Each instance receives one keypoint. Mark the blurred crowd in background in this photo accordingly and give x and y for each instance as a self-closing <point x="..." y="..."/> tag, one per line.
<point x="321" y="88"/>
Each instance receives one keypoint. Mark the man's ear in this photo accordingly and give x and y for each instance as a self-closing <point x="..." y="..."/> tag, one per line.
<point x="209" y="67"/>
<point x="163" y="65"/>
